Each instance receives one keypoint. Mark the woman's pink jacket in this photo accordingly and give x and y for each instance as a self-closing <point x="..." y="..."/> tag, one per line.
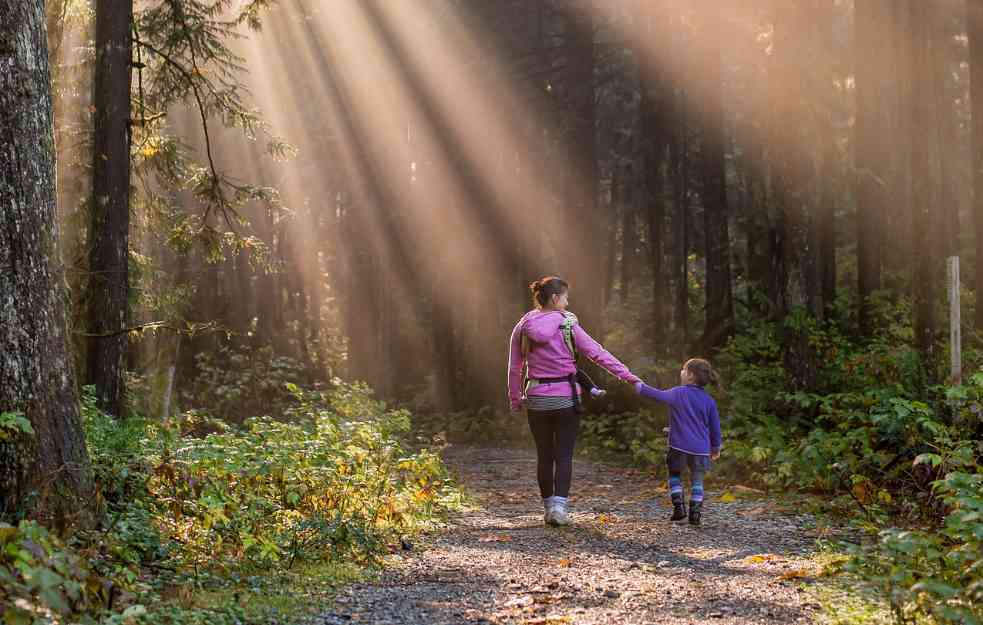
<point x="549" y="357"/>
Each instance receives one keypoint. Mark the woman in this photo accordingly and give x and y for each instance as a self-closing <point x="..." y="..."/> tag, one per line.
<point x="551" y="396"/>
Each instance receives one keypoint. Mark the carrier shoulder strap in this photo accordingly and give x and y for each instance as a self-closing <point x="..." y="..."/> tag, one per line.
<point x="569" y="321"/>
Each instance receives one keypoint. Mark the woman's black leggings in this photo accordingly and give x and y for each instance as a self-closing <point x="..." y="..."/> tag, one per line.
<point x="555" y="432"/>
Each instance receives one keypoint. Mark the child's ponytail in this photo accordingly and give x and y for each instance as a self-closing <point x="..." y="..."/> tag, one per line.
<point x="702" y="372"/>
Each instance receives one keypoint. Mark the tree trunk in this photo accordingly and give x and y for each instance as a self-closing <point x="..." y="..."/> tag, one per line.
<point x="36" y="372"/>
<point x="927" y="268"/>
<point x="872" y="149"/>
<point x="720" y="303"/>
<point x="583" y="256"/>
<point x="943" y="63"/>
<point x="625" y="194"/>
<point x="829" y="176"/>
<point x="110" y="206"/>
<point x="975" y="28"/>
<point x="679" y="164"/>
<point x="655" y="101"/>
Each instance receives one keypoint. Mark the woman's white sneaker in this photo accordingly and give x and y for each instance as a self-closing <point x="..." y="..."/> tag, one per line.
<point x="559" y="512"/>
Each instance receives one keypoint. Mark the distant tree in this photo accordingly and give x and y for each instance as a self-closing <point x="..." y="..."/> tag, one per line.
<point x="872" y="147"/>
<point x="975" y="28"/>
<point x="109" y="208"/>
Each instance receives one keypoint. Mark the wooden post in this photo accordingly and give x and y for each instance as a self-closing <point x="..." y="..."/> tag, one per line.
<point x="955" y="329"/>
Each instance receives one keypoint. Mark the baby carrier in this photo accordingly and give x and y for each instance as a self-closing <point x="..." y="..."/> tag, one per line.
<point x="581" y="377"/>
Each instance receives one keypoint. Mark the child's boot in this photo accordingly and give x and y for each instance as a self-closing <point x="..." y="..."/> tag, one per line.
<point x="695" y="508"/>
<point x="678" y="507"/>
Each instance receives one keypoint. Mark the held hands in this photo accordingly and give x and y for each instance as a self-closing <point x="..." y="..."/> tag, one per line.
<point x="714" y="454"/>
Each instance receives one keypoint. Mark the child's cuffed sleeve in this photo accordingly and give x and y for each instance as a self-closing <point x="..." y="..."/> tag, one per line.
<point x="713" y="425"/>
<point x="666" y="397"/>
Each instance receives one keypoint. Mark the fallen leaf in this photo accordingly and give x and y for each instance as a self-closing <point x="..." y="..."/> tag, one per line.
<point x="565" y="563"/>
<point x="728" y="497"/>
<point x="762" y="557"/>
<point x="495" y="538"/>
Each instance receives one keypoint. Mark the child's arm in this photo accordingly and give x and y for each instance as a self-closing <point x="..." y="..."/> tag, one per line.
<point x="666" y="397"/>
<point x="517" y="361"/>
<point x="713" y="425"/>
<point x="597" y="354"/>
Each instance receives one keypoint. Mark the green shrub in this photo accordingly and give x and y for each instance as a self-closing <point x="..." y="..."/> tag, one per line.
<point x="928" y="574"/>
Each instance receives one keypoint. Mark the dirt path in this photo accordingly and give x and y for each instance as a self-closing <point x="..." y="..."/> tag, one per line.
<point x="621" y="562"/>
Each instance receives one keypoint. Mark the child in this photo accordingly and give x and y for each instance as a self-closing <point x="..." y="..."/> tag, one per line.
<point x="694" y="433"/>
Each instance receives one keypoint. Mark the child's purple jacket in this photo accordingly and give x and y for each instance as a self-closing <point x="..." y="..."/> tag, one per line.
<point x="694" y="424"/>
<point x="550" y="358"/>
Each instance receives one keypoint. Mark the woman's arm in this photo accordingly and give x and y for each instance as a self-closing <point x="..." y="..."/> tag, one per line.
<point x="517" y="362"/>
<point x="597" y="354"/>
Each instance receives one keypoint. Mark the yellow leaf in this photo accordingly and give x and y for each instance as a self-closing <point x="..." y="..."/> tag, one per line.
<point x="494" y="538"/>
<point x="565" y="563"/>
<point x="795" y="574"/>
<point x="762" y="557"/>
<point x="728" y="497"/>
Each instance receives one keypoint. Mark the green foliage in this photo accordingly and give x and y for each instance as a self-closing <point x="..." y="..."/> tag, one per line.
<point x="629" y="438"/>
<point x="935" y="575"/>
<point x="14" y="423"/>
<point x="43" y="581"/>
<point x="234" y="382"/>
<point x="225" y="513"/>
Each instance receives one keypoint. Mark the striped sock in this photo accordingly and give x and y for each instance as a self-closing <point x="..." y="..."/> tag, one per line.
<point x="675" y="485"/>
<point x="560" y="502"/>
<point x="547" y="503"/>
<point x="697" y="490"/>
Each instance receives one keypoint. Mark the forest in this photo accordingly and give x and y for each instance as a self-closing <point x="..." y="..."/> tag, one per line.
<point x="260" y="261"/>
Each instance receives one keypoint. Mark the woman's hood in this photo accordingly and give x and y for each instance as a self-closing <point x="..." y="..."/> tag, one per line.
<point x="541" y="326"/>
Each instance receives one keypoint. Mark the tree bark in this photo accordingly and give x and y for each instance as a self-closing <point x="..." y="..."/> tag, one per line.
<point x="926" y="274"/>
<point x="975" y="28"/>
<point x="720" y="303"/>
<point x="679" y="165"/>
<point x="110" y="206"/>
<point x="872" y="149"/>
<point x="583" y="256"/>
<point x="36" y="371"/>
<point x="625" y="194"/>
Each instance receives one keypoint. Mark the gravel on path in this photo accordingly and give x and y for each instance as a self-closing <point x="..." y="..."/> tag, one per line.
<point x="620" y="562"/>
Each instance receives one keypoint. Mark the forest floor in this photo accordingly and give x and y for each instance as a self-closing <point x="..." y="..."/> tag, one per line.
<point x="752" y="561"/>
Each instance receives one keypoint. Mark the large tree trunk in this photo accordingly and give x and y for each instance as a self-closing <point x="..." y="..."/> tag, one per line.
<point x="975" y="28"/>
<point x="872" y="148"/>
<point x="110" y="206"/>
<point x="36" y="372"/>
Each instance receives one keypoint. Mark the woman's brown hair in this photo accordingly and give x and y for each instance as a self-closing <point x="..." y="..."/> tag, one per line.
<point x="545" y="288"/>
